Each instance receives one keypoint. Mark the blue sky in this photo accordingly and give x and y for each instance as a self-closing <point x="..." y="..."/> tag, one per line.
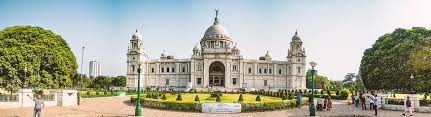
<point x="335" y="32"/>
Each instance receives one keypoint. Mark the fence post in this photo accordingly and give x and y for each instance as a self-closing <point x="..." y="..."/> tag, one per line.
<point x="24" y="100"/>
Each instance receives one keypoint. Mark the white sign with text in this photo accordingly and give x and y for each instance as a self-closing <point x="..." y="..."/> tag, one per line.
<point x="221" y="107"/>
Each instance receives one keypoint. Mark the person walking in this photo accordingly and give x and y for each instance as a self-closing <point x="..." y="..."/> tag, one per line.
<point x="371" y="102"/>
<point x="364" y="107"/>
<point x="38" y="105"/>
<point x="329" y="103"/>
<point x="408" y="107"/>
<point x="356" y="98"/>
<point x="298" y="99"/>
<point x="375" y="102"/>
<point x="325" y="102"/>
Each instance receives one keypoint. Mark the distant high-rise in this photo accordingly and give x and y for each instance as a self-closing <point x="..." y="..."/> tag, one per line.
<point x="94" y="69"/>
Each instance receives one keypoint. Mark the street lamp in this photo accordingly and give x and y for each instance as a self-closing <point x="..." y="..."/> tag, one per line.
<point x="138" y="103"/>
<point x="411" y="78"/>
<point x="312" y="108"/>
<point x="25" y="78"/>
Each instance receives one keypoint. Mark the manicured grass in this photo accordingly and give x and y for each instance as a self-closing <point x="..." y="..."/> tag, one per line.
<point x="190" y="97"/>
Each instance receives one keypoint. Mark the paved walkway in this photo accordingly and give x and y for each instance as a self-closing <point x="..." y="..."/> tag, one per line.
<point x="121" y="106"/>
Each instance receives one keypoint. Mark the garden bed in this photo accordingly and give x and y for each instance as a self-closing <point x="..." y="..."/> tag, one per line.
<point x="188" y="102"/>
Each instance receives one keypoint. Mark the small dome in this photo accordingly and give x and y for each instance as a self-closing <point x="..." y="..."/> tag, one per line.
<point x="235" y="48"/>
<point x="267" y="55"/>
<point x="163" y="54"/>
<point x="196" y="48"/>
<point x="296" y="37"/>
<point x="137" y="35"/>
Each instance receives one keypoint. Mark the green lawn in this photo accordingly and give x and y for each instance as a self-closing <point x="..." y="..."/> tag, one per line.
<point x="190" y="97"/>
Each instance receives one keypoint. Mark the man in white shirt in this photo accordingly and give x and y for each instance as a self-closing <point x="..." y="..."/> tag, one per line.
<point x="38" y="105"/>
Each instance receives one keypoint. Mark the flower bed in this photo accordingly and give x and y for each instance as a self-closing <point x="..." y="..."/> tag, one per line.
<point x="197" y="106"/>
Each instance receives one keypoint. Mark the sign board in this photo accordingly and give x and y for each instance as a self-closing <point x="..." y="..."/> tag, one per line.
<point x="221" y="107"/>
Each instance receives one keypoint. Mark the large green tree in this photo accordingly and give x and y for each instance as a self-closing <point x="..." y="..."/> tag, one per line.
<point x="36" y="56"/>
<point x="387" y="64"/>
<point x="320" y="82"/>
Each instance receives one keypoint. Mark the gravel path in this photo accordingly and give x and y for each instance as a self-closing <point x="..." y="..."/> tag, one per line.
<point x="121" y="106"/>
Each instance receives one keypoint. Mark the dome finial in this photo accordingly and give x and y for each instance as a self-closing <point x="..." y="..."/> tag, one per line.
<point x="216" y="18"/>
<point x="296" y="32"/>
<point x="136" y="30"/>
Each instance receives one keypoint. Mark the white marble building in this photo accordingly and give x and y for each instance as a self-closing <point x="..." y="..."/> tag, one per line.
<point x="216" y="63"/>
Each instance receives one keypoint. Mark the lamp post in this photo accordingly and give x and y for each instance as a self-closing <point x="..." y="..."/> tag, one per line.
<point x="25" y="78"/>
<point x="138" y="103"/>
<point x="312" y="108"/>
<point x="411" y="88"/>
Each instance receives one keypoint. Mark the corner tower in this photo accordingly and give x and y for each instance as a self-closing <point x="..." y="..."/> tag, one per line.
<point x="296" y="58"/>
<point x="135" y="56"/>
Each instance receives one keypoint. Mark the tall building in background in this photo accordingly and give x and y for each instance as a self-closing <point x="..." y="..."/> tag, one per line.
<point x="217" y="62"/>
<point x="94" y="69"/>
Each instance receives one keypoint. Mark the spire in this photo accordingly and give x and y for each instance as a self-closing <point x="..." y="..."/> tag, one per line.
<point x="136" y="30"/>
<point x="296" y="32"/>
<point x="216" y="22"/>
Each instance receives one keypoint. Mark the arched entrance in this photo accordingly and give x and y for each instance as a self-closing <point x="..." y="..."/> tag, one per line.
<point x="217" y="71"/>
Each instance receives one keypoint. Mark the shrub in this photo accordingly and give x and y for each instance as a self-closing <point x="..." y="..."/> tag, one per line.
<point x="179" y="97"/>
<point x="148" y="95"/>
<point x="218" y="99"/>
<point x="344" y="94"/>
<point x="105" y="92"/>
<point x="258" y="98"/>
<point x="112" y="91"/>
<point x="338" y="92"/>
<point x="88" y="92"/>
<point x="328" y="92"/>
<point x="97" y="92"/>
<point x="216" y="94"/>
<point x="425" y="102"/>
<point x="396" y="101"/>
<point x="154" y="96"/>
<point x="240" y="99"/>
<point x="197" y="98"/>
<point x="290" y="96"/>
<point x="321" y="92"/>
<point x="283" y="97"/>
<point x="164" y="97"/>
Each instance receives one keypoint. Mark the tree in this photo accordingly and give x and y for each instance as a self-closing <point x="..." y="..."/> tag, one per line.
<point x="164" y="97"/>
<point x="389" y="62"/>
<point x="197" y="98"/>
<point x="320" y="82"/>
<point x="218" y="98"/>
<point x="336" y="85"/>
<point x="47" y="57"/>
<point x="119" y="81"/>
<point x="240" y="99"/>
<point x="349" y="81"/>
<point x="179" y="97"/>
<point x="258" y="98"/>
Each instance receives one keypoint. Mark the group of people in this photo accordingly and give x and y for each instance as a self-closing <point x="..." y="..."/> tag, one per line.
<point x="372" y="101"/>
<point x="324" y="104"/>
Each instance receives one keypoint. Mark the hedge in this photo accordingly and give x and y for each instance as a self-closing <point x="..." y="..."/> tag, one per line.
<point x="396" y="101"/>
<point x="425" y="102"/>
<point x="196" y="106"/>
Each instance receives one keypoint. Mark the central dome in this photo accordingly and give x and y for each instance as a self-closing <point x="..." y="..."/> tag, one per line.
<point x="216" y="32"/>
